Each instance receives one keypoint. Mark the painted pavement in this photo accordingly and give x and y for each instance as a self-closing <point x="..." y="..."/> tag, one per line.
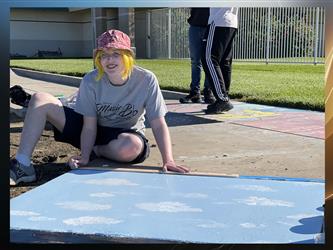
<point x="293" y="121"/>
<point x="170" y="207"/>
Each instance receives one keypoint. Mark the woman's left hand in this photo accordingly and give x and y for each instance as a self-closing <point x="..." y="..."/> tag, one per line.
<point x="172" y="166"/>
<point x="77" y="161"/>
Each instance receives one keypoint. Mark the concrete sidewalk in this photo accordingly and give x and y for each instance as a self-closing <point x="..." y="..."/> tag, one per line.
<point x="249" y="140"/>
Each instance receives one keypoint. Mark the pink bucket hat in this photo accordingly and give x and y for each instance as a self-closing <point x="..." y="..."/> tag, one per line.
<point x="113" y="39"/>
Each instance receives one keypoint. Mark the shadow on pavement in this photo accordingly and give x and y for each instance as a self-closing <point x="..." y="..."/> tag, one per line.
<point x="174" y="119"/>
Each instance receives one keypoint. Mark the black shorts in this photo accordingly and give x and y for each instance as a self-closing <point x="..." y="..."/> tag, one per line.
<point x="72" y="134"/>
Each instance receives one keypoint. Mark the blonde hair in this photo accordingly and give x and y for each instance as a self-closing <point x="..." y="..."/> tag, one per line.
<point x="126" y="57"/>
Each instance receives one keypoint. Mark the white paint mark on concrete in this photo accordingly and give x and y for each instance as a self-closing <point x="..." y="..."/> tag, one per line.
<point x="308" y="184"/>
<point x="250" y="225"/>
<point x="110" y="182"/>
<point x="286" y="223"/>
<point x="192" y="195"/>
<point x="83" y="206"/>
<point x="136" y="215"/>
<point x="101" y="195"/>
<point x="167" y="206"/>
<point x="301" y="216"/>
<point x="41" y="218"/>
<point x="212" y="225"/>
<point x="262" y="242"/>
<point x="153" y="187"/>
<point x="23" y="213"/>
<point x="263" y="201"/>
<point x="90" y="220"/>
<point x="258" y="188"/>
<point x="223" y="203"/>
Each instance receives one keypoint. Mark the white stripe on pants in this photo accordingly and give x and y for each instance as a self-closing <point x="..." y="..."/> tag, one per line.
<point x="210" y="64"/>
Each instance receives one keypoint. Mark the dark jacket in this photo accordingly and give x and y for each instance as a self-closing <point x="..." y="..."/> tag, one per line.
<point x="199" y="17"/>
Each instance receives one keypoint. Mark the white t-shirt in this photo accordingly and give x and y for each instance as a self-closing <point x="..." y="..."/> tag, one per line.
<point x="224" y="17"/>
<point x="122" y="106"/>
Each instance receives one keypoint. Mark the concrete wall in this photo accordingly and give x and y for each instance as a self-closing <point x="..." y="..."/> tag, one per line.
<point x="71" y="30"/>
<point x="49" y="29"/>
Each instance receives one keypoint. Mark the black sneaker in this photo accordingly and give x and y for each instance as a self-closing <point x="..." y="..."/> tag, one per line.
<point x="20" y="173"/>
<point x="219" y="107"/>
<point x="208" y="96"/>
<point x="192" y="97"/>
<point x="212" y="105"/>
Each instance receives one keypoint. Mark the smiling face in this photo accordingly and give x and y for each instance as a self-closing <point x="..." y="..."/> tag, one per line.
<point x="112" y="63"/>
<point x="115" y="63"/>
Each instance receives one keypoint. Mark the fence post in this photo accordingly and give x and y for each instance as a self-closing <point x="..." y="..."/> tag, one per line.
<point x="93" y="28"/>
<point x="316" y="36"/>
<point x="268" y="34"/>
<point x="169" y="33"/>
<point x="148" y="40"/>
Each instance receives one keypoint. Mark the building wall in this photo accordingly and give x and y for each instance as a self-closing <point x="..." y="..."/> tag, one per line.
<point x="70" y="30"/>
<point x="50" y="29"/>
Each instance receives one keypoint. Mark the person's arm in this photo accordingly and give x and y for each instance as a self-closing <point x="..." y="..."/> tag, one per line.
<point x="88" y="137"/>
<point x="163" y="140"/>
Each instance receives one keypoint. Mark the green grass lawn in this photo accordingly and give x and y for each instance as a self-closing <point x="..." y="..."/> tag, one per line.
<point x="288" y="85"/>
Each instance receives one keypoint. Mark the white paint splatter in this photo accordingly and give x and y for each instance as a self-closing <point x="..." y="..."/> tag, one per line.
<point x="33" y="216"/>
<point x="90" y="220"/>
<point x="41" y="218"/>
<point x="251" y="225"/>
<point x="111" y="182"/>
<point x="300" y="216"/>
<point x="83" y="206"/>
<point x="258" y="188"/>
<point x="223" y="203"/>
<point x="212" y="225"/>
<point x="263" y="201"/>
<point x="23" y="213"/>
<point x="192" y="195"/>
<point x="286" y="223"/>
<point x="167" y="206"/>
<point x="154" y="187"/>
<point x="126" y="193"/>
<point x="136" y="215"/>
<point x="308" y="184"/>
<point x="261" y="242"/>
<point x="101" y="195"/>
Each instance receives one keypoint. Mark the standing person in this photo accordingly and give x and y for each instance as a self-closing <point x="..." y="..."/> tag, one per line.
<point x="217" y="55"/>
<point x="198" y="21"/>
<point x="109" y="114"/>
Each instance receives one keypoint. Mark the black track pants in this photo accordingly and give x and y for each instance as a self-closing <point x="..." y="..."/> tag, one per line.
<point x="217" y="59"/>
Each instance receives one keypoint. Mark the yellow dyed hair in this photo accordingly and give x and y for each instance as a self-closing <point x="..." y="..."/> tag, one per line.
<point x="126" y="57"/>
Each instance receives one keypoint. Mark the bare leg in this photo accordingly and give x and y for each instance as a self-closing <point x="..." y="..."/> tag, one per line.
<point x="124" y="149"/>
<point x="42" y="107"/>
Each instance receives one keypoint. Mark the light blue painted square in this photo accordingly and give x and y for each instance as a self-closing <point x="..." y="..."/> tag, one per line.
<point x="199" y="209"/>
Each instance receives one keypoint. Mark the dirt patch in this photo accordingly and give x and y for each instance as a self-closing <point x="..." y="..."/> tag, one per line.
<point x="49" y="158"/>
